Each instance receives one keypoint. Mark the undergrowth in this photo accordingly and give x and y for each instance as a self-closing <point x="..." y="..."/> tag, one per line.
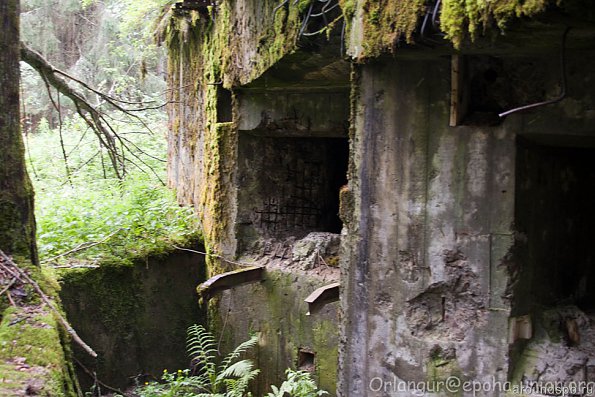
<point x="230" y="376"/>
<point x="85" y="214"/>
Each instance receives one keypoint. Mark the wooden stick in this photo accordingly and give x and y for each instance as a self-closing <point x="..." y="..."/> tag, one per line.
<point x="48" y="302"/>
<point x="82" y="247"/>
<point x="93" y="376"/>
<point x="10" y="298"/>
<point x="14" y="279"/>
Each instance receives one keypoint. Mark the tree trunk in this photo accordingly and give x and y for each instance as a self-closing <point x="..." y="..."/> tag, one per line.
<point x="17" y="221"/>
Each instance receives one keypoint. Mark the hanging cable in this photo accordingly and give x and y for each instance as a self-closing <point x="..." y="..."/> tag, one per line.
<point x="563" y="83"/>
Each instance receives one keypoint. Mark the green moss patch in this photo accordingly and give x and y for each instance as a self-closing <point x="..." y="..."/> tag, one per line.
<point x="469" y="18"/>
<point x="32" y="359"/>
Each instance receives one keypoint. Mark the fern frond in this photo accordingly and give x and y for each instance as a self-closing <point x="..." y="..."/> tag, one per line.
<point x="237" y="387"/>
<point x="242" y="347"/>
<point x="239" y="369"/>
<point x="198" y="335"/>
<point x="200" y="345"/>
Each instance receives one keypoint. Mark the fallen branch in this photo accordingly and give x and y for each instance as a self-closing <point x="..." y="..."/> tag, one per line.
<point x="14" y="279"/>
<point x="82" y="247"/>
<point x="95" y="118"/>
<point x="12" y="302"/>
<point x="47" y="301"/>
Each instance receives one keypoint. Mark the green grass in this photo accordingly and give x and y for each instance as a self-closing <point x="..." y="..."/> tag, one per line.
<point x="130" y="218"/>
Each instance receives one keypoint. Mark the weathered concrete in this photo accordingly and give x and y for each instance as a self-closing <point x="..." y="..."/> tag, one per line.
<point x="445" y="243"/>
<point x="433" y="270"/>
<point x="135" y="317"/>
<point x="276" y="310"/>
<point x="433" y="211"/>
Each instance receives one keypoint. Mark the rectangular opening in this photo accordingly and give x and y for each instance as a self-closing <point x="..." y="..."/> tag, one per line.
<point x="491" y="85"/>
<point x="555" y="213"/>
<point x="289" y="186"/>
<point x="224" y="105"/>
<point x="553" y="267"/>
<point x="306" y="360"/>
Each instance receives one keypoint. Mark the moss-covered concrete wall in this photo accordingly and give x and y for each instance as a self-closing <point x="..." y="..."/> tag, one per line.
<point x="430" y="275"/>
<point x="134" y="316"/>
<point x="32" y="358"/>
<point x="235" y="44"/>
<point x="231" y="49"/>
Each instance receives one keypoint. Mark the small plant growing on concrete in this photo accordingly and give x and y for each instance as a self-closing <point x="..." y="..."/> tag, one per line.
<point x="230" y="376"/>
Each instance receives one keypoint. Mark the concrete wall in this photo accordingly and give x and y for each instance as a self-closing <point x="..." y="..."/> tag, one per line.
<point x="275" y="309"/>
<point x="235" y="49"/>
<point x="434" y="209"/>
<point x="434" y="266"/>
<point x="134" y="317"/>
<point x="431" y="269"/>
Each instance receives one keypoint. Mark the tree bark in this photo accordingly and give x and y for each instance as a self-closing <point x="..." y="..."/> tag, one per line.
<point x="17" y="221"/>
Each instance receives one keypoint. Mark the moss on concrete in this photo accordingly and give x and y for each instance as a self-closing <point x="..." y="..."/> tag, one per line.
<point x="440" y="367"/>
<point x="383" y="24"/>
<point x="469" y="18"/>
<point x="134" y="316"/>
<point x="275" y="308"/>
<point x="203" y="53"/>
<point x="34" y="346"/>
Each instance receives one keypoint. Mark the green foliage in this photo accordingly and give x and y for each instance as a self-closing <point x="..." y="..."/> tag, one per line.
<point x="228" y="378"/>
<point x="81" y="202"/>
<point x="180" y="384"/>
<point x="298" y="384"/>
<point x="109" y="44"/>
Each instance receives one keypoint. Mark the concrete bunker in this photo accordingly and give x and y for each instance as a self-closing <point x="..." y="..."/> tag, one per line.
<point x="432" y="219"/>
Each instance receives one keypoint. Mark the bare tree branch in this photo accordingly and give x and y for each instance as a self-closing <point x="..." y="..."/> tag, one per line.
<point x="89" y="114"/>
<point x="115" y="145"/>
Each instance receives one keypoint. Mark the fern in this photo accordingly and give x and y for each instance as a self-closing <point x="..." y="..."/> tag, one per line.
<point x="242" y="347"/>
<point x="200" y="345"/>
<point x="236" y="370"/>
<point x="230" y="378"/>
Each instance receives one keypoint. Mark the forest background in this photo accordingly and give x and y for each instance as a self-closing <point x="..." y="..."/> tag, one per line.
<point x="86" y="210"/>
